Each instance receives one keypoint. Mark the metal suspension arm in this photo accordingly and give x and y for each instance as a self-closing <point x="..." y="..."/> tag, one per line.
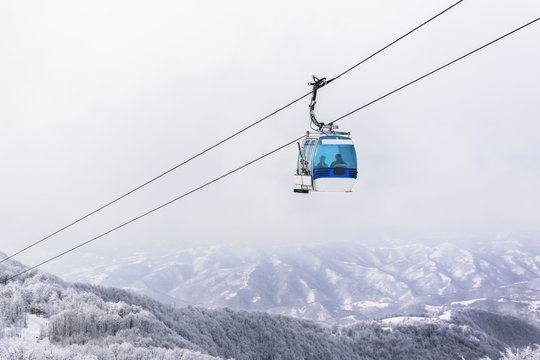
<point x="317" y="83"/>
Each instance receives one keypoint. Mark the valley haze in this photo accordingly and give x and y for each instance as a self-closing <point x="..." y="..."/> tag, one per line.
<point x="341" y="282"/>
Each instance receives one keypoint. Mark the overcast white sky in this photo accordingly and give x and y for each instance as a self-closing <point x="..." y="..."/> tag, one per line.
<point x="98" y="97"/>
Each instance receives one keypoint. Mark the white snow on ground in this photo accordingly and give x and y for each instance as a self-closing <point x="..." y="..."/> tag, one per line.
<point x="349" y="305"/>
<point x="401" y="319"/>
<point x="333" y="276"/>
<point x="447" y="282"/>
<point x="433" y="308"/>
<point x="466" y="265"/>
<point x="133" y="288"/>
<point x="228" y="294"/>
<point x="246" y="276"/>
<point x="368" y="304"/>
<point x="477" y="281"/>
<point x="311" y="297"/>
<point x="447" y="315"/>
<point x="34" y="325"/>
<point x="467" y="302"/>
<point x="440" y="250"/>
<point x="509" y="259"/>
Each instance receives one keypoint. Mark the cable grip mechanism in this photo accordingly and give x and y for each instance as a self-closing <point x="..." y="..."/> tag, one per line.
<point x="317" y="83"/>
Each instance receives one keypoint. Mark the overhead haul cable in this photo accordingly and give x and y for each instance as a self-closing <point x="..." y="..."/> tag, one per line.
<point x="436" y="70"/>
<point x="224" y="140"/>
<point x="269" y="153"/>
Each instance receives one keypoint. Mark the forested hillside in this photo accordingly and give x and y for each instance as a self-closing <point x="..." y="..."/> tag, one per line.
<point x="109" y="323"/>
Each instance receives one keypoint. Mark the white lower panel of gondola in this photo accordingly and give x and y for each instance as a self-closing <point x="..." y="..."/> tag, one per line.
<point x="333" y="184"/>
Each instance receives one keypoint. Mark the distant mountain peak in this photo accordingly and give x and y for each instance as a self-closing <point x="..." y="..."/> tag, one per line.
<point x="330" y="282"/>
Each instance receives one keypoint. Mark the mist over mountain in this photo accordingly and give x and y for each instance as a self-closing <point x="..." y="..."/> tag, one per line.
<point x="337" y="283"/>
<point x="44" y="317"/>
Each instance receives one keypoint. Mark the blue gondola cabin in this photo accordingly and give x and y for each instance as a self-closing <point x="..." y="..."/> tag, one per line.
<point x="326" y="162"/>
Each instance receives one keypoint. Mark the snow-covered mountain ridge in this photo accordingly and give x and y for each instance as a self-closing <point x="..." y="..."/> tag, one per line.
<point x="43" y="317"/>
<point x="339" y="282"/>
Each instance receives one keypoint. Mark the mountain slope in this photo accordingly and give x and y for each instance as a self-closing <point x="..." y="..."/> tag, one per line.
<point x="338" y="282"/>
<point x="87" y="320"/>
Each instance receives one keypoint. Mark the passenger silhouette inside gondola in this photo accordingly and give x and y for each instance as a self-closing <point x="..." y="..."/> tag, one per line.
<point x="322" y="162"/>
<point x="339" y="162"/>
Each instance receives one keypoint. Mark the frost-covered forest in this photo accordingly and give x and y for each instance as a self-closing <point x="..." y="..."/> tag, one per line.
<point x="43" y="317"/>
<point x="528" y="353"/>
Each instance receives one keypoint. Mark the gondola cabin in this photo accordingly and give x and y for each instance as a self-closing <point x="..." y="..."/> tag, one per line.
<point x="326" y="162"/>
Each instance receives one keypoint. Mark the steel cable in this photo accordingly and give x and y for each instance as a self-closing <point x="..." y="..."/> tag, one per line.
<point x="268" y="154"/>
<point x="222" y="141"/>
